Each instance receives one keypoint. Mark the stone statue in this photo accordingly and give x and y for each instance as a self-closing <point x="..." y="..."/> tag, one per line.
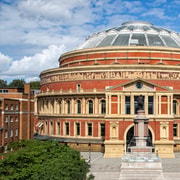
<point x="140" y="101"/>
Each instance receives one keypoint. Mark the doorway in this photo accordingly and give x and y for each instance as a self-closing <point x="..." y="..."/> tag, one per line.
<point x="130" y="139"/>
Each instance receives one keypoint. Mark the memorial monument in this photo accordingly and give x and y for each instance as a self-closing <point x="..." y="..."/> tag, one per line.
<point x="141" y="162"/>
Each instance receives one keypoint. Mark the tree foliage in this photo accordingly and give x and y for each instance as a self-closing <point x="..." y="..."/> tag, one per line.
<point x="35" y="84"/>
<point x="34" y="160"/>
<point x="3" y="83"/>
<point x="17" y="83"/>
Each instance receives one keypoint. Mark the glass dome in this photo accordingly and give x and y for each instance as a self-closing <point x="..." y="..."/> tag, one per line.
<point x="133" y="33"/>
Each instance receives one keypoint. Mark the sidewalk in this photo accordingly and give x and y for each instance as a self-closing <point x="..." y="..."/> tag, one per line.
<point x="109" y="168"/>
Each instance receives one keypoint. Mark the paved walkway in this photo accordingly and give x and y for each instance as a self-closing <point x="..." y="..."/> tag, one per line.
<point x="109" y="168"/>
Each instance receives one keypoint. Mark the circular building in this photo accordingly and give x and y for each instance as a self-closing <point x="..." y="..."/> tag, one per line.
<point x="90" y="100"/>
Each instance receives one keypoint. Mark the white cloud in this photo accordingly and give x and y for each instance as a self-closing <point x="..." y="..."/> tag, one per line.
<point x="35" y="32"/>
<point x="5" y="62"/>
<point x="157" y="12"/>
<point x="133" y="6"/>
<point x="157" y="3"/>
<point x="61" y="11"/>
<point x="30" y="79"/>
<point x="32" y="66"/>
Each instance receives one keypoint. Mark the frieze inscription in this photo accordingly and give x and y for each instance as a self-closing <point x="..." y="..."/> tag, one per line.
<point x="111" y="75"/>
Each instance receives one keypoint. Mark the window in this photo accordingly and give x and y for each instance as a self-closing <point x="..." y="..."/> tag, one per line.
<point x="52" y="104"/>
<point x="6" y="134"/>
<point x="51" y="126"/>
<point x="47" y="104"/>
<point x="90" y="107"/>
<point x="103" y="106"/>
<point x="58" y="128"/>
<point x="11" y="133"/>
<point x="59" y="107"/>
<point x="102" y="129"/>
<point x="174" y="107"/>
<point x="3" y="90"/>
<point x="89" y="126"/>
<point x="150" y="104"/>
<point x="68" y="107"/>
<point x="11" y="106"/>
<point x="16" y="132"/>
<point x="175" y="130"/>
<point x="16" y="106"/>
<point x="127" y="104"/>
<point x="16" y="119"/>
<point x="11" y="119"/>
<point x="78" y="87"/>
<point x="6" y="119"/>
<point x="67" y="128"/>
<point x="46" y="127"/>
<point x="6" y="107"/>
<point x="5" y="148"/>
<point x="78" y="107"/>
<point x="77" y="129"/>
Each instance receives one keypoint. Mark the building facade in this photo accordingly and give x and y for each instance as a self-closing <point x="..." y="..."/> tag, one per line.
<point x="90" y="100"/>
<point x="16" y="115"/>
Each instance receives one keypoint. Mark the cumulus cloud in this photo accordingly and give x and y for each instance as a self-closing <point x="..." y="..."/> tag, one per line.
<point x="35" y="32"/>
<point x="5" y="62"/>
<point x="156" y="12"/>
<point x="157" y="3"/>
<point x="29" y="67"/>
<point x="133" y="6"/>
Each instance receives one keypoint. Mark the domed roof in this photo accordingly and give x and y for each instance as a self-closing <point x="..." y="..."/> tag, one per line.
<point x="133" y="33"/>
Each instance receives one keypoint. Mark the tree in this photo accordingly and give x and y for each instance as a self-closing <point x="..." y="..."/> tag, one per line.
<point x="35" y="85"/>
<point x="3" y="83"/>
<point x="17" y="83"/>
<point x="34" y="159"/>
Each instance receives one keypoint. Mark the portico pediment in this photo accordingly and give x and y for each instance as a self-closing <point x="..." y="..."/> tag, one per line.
<point x="139" y="85"/>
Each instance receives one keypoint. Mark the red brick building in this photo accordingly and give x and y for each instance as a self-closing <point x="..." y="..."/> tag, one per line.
<point x="90" y="100"/>
<point x="16" y="115"/>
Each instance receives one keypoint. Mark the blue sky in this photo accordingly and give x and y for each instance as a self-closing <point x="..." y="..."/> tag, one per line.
<point x="34" y="33"/>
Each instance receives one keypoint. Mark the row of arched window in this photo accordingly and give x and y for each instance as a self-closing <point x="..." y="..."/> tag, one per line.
<point x="66" y="107"/>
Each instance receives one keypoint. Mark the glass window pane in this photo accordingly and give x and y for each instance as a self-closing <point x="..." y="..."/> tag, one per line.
<point x="122" y="40"/>
<point x="90" y="107"/>
<point x="150" y="104"/>
<point x="106" y="41"/>
<point x="78" y="129"/>
<point x="67" y="128"/>
<point x="169" y="41"/>
<point x="89" y="129"/>
<point x="127" y="104"/>
<point x="138" y="39"/>
<point x="102" y="129"/>
<point x="103" y="107"/>
<point x="154" y="40"/>
<point x="175" y="130"/>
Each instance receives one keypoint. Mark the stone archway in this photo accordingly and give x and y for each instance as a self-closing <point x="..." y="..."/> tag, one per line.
<point x="130" y="134"/>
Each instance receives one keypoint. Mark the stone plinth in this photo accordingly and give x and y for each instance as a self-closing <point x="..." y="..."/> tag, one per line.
<point x="141" y="162"/>
<point x="141" y="166"/>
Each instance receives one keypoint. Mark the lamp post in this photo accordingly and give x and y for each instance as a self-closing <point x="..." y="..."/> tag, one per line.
<point x="89" y="160"/>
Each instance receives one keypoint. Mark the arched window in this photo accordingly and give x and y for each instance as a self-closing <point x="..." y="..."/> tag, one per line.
<point x="52" y="105"/>
<point x="46" y="127"/>
<point x="51" y="126"/>
<point x="174" y="107"/>
<point x="68" y="107"/>
<point x="78" y="107"/>
<point x="90" y="107"/>
<point x="103" y="106"/>
<point x="59" y="107"/>
<point x="58" y="128"/>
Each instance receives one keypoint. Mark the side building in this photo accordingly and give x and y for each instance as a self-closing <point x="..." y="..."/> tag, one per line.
<point x="16" y="115"/>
